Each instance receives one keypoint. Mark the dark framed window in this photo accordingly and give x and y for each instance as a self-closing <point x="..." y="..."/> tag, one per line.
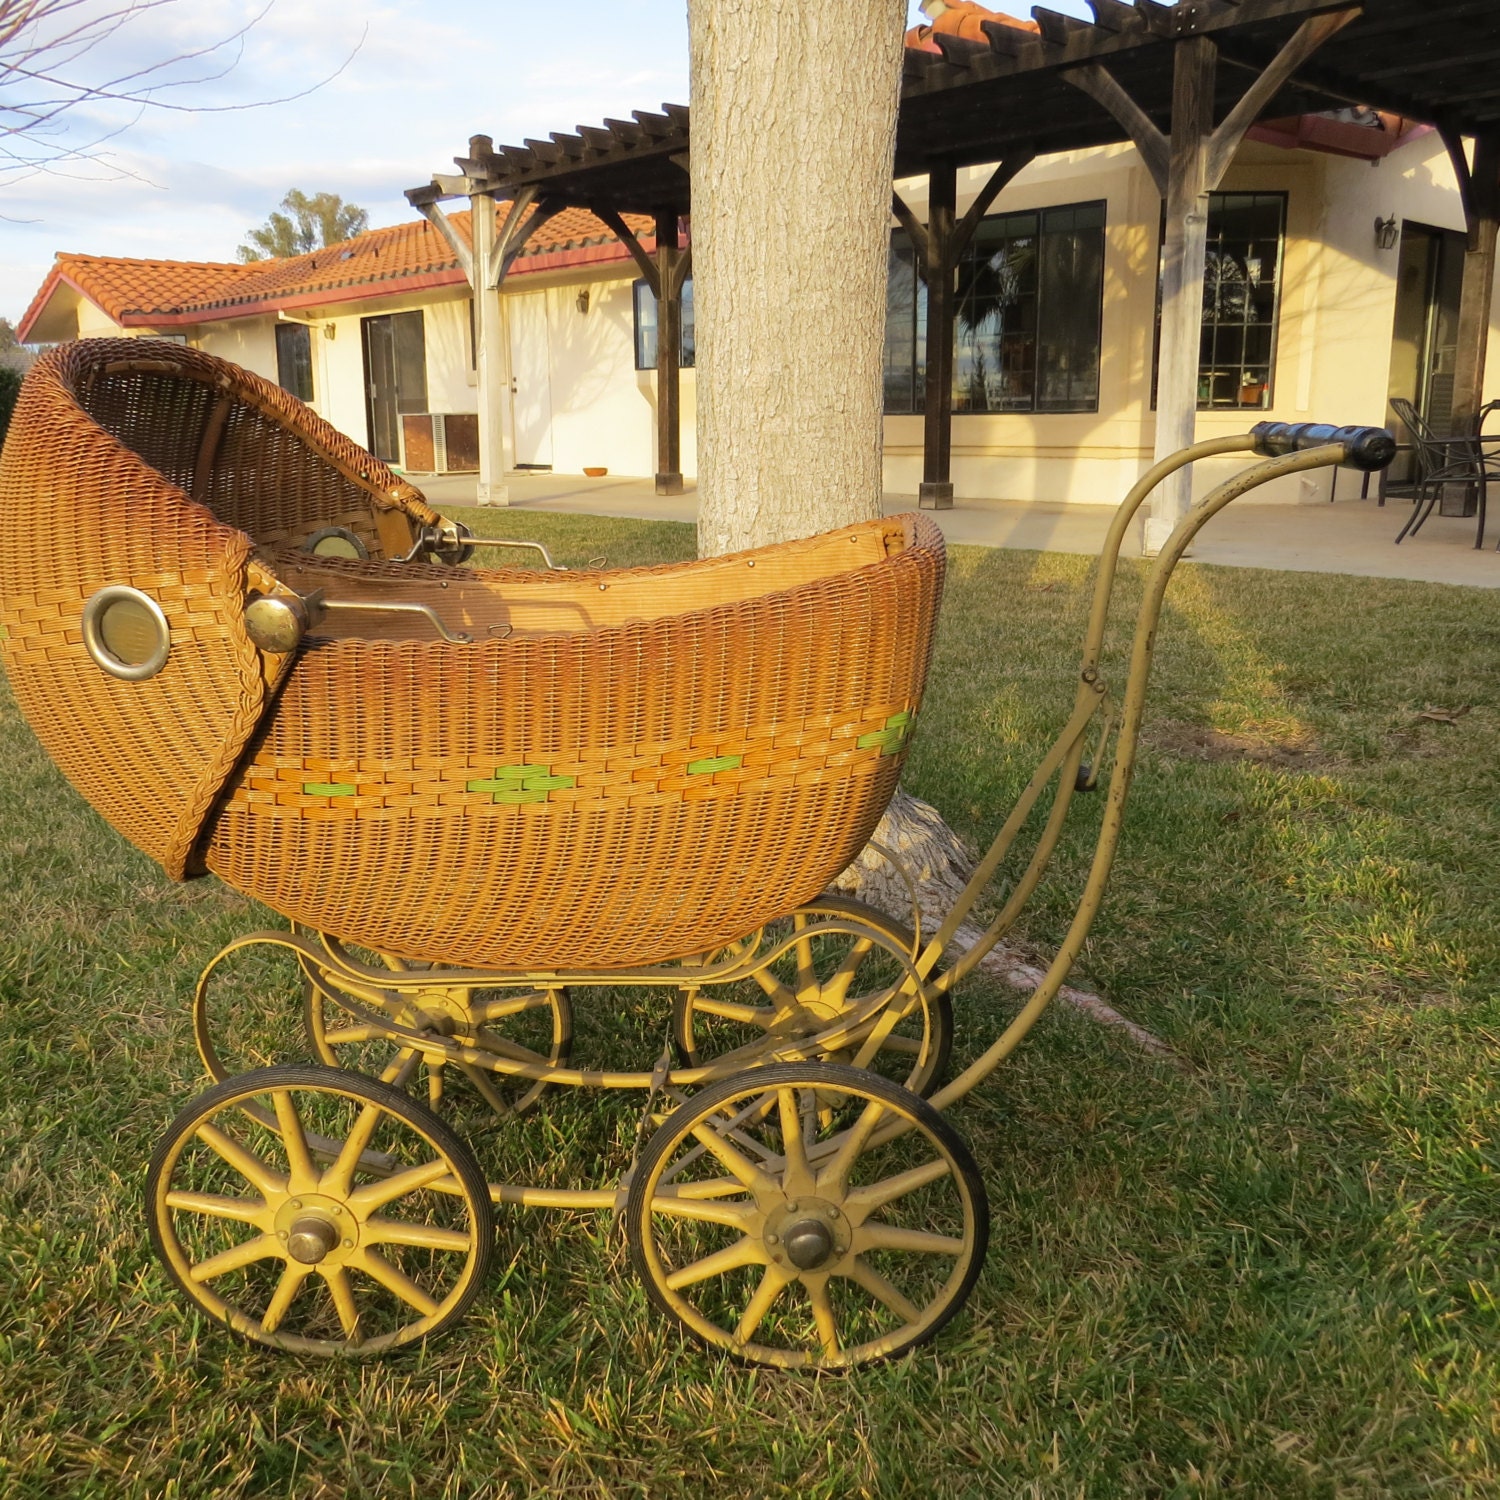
<point x="1241" y="301"/>
<point x="294" y="359"/>
<point x="645" y="326"/>
<point x="1028" y="315"/>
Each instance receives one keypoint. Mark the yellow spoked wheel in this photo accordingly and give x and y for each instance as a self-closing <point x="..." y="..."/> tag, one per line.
<point x="807" y="1215"/>
<point x="432" y="1024"/>
<point x="825" y="977"/>
<point x="320" y="1212"/>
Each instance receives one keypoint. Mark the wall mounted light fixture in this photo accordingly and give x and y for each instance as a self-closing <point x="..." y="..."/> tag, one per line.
<point x="583" y="300"/>
<point x="1387" y="232"/>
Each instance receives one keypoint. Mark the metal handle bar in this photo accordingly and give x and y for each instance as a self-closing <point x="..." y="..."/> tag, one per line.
<point x="1361" y="448"/>
<point x="401" y="607"/>
<point x="453" y="542"/>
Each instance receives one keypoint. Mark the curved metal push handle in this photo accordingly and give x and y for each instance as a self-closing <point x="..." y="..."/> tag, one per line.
<point x="1301" y="451"/>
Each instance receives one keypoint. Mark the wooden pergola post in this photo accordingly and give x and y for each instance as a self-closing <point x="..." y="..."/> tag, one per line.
<point x="939" y="245"/>
<point x="1187" y="164"/>
<point x="486" y="260"/>
<point x="491" y="360"/>
<point x="1479" y="185"/>
<point x="665" y="273"/>
<point x="668" y="356"/>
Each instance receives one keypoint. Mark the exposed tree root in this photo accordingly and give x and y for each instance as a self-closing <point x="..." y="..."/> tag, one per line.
<point x="939" y="867"/>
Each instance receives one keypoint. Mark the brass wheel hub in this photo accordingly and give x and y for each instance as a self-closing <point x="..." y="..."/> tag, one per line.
<point x="807" y="1234"/>
<point x="444" y="1012"/>
<point x="314" y="1228"/>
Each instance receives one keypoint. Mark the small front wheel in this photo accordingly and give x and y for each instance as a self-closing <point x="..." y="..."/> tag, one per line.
<point x="807" y="1216"/>
<point x="318" y="1211"/>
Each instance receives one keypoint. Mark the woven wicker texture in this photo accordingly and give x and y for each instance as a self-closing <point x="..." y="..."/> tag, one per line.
<point x="108" y="441"/>
<point x="625" y="767"/>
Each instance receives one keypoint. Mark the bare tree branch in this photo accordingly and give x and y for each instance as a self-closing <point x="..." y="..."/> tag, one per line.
<point x="45" y="49"/>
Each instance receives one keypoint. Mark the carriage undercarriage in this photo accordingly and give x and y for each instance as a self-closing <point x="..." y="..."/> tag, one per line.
<point x="796" y="1197"/>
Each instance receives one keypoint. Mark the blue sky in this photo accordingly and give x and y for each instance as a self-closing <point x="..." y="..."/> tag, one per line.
<point x="423" y="77"/>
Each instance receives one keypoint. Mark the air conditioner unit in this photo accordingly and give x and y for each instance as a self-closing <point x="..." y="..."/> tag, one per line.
<point x="435" y="442"/>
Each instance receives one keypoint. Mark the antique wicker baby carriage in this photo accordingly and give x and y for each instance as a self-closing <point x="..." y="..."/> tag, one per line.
<point x="259" y="653"/>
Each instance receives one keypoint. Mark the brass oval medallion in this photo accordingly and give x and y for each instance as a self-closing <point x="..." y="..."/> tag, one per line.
<point x="336" y="541"/>
<point x="126" y="633"/>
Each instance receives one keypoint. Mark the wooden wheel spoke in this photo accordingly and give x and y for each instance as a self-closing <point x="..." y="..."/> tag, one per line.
<point x="807" y="977"/>
<point x="338" y="1177"/>
<point x="513" y="1005"/>
<point x="882" y="1290"/>
<point x="303" y="1173"/>
<point x="342" y="1036"/>
<point x="217" y="1206"/>
<point x="285" y="1294"/>
<point x="797" y="1175"/>
<point x="836" y="986"/>
<point x="396" y="1281"/>
<point x="701" y="1210"/>
<point x="917" y="1241"/>
<point x="735" y="1162"/>
<point x="264" y="1178"/>
<point x="835" y="1173"/>
<point x="863" y="1201"/>
<point x="382" y="1231"/>
<point x="766" y="1293"/>
<point x="744" y="1252"/>
<point x="342" y="1293"/>
<point x="237" y="1257"/>
<point x="774" y="989"/>
<point x="377" y="1194"/>
<point x="760" y="1016"/>
<point x="822" y="1306"/>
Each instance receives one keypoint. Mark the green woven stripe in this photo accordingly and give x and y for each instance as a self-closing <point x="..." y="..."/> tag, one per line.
<point x="715" y="763"/>
<point x="513" y="784"/>
<point x="330" y="788"/>
<point x="890" y="739"/>
<point x="547" y="783"/>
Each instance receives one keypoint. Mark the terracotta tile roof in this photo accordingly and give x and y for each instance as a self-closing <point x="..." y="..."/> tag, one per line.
<point x="136" y="292"/>
<point x="961" y="19"/>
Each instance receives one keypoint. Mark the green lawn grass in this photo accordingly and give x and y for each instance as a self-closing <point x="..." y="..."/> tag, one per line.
<point x="1270" y="1271"/>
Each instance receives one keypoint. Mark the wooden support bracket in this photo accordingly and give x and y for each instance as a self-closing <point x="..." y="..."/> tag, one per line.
<point x="1306" y="40"/>
<point x="626" y="236"/>
<point x="512" y="241"/>
<point x="433" y="213"/>
<point x="1095" y="80"/>
<point x="1003" y="175"/>
<point x="916" y="231"/>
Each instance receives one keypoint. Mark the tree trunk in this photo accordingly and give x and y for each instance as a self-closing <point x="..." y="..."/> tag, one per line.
<point x="794" y="121"/>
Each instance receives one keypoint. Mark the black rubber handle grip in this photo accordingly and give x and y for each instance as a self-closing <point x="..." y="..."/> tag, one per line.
<point x="1366" y="447"/>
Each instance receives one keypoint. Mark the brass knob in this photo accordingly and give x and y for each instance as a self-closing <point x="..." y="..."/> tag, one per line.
<point x="310" y="1240"/>
<point x="276" y="622"/>
<point x="809" y="1243"/>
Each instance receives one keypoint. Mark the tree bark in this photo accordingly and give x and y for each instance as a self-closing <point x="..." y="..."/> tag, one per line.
<point x="794" y="122"/>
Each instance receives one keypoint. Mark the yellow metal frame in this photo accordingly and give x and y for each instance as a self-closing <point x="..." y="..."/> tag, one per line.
<point x="858" y="1029"/>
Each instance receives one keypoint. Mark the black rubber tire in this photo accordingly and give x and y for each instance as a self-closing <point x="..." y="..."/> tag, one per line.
<point x="370" y="1091"/>
<point x="807" y="1075"/>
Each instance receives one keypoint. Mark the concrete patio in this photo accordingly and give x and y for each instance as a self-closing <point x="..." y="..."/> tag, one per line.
<point x="1351" y="536"/>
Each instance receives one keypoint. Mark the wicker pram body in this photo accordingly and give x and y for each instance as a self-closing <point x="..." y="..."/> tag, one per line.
<point x="622" y="767"/>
